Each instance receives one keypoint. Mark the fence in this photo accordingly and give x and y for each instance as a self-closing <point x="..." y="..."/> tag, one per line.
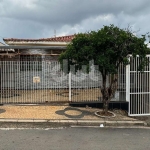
<point x="43" y="81"/>
<point x="138" y="92"/>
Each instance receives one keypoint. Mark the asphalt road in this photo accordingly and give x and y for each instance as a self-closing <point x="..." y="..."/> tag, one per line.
<point x="75" y="139"/>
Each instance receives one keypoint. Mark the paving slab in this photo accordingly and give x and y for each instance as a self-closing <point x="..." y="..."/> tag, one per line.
<point x="61" y="115"/>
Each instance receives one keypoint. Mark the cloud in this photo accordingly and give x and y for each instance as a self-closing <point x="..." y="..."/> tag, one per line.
<point x="39" y="18"/>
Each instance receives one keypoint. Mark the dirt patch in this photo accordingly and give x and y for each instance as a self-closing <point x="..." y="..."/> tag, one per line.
<point x="73" y="112"/>
<point x="120" y="111"/>
<point x="102" y="113"/>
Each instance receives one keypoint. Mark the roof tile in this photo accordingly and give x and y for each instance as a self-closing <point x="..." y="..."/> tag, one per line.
<point x="54" y="39"/>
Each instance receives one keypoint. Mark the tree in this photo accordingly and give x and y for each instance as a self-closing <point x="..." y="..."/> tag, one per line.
<point x="108" y="47"/>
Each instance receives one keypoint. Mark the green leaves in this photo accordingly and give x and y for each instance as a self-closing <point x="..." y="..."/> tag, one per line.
<point x="108" y="47"/>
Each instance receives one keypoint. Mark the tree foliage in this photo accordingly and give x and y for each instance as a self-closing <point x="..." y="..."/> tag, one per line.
<point x="108" y="47"/>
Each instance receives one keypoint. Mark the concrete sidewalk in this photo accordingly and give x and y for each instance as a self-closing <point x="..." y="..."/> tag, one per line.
<point x="47" y="116"/>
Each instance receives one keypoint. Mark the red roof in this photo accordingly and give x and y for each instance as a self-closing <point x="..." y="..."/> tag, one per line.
<point x="53" y="39"/>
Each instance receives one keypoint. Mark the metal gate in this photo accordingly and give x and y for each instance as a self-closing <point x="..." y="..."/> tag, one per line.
<point x="32" y="82"/>
<point x="138" y="88"/>
<point x="44" y="81"/>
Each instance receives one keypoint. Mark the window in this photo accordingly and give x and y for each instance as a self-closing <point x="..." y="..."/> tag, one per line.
<point x="30" y="63"/>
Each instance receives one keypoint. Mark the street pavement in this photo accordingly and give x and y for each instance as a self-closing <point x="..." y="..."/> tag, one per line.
<point x="80" y="138"/>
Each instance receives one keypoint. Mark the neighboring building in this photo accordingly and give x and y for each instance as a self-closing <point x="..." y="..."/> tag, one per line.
<point x="3" y="51"/>
<point x="1" y="44"/>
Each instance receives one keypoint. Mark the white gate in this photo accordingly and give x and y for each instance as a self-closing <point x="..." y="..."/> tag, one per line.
<point x="43" y="81"/>
<point x="32" y="82"/>
<point x="138" y="88"/>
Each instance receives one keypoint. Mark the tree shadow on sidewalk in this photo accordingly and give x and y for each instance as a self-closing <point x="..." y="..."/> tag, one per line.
<point x="73" y="113"/>
<point x="2" y="111"/>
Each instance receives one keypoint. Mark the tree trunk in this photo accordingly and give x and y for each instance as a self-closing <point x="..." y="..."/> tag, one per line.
<point x="108" y="92"/>
<point x="105" y="107"/>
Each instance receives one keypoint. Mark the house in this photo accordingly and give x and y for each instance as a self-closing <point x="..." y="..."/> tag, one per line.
<point x="54" y="41"/>
<point x="33" y="69"/>
<point x="34" y="59"/>
<point x="31" y="74"/>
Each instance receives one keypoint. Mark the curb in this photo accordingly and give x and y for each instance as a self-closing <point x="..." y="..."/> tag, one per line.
<point x="125" y="123"/>
<point x="61" y="122"/>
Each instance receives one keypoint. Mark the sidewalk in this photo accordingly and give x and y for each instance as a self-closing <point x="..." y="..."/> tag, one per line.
<point x="61" y="116"/>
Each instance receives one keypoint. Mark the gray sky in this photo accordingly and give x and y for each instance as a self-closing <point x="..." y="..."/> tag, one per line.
<point x="39" y="18"/>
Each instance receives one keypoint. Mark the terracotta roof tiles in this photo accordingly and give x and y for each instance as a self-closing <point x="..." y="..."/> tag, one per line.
<point x="53" y="39"/>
